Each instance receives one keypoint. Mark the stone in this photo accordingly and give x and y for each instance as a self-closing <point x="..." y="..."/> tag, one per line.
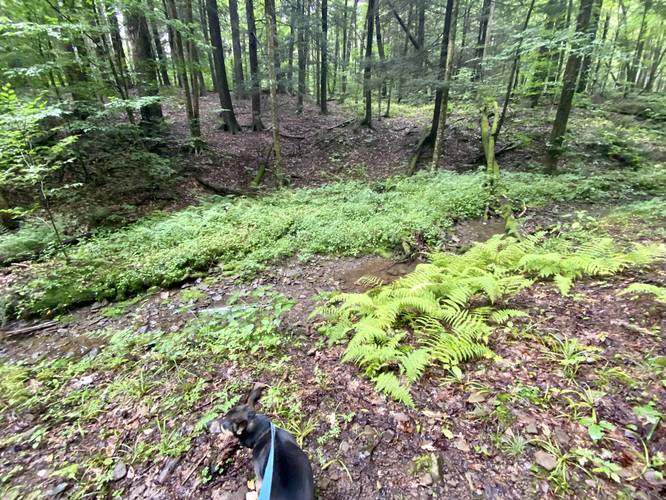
<point x="476" y="397"/>
<point x="461" y="444"/>
<point x="545" y="460"/>
<point x="119" y="471"/>
<point x="56" y="490"/>
<point x="531" y="428"/>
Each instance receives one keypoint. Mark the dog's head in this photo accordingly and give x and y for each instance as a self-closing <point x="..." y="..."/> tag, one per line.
<point x="241" y="419"/>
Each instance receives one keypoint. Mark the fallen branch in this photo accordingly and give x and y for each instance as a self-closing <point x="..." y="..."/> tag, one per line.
<point x="224" y="191"/>
<point x="508" y="147"/>
<point x="633" y="328"/>
<point x="31" y="329"/>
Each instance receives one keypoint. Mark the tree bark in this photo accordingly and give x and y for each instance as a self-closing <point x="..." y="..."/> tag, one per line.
<point x="159" y="49"/>
<point x="513" y="74"/>
<point x="144" y="67"/>
<point x="272" y="70"/>
<point x="203" y="20"/>
<point x="228" y="115"/>
<point x="255" y="89"/>
<point x="367" y="71"/>
<point x="484" y="21"/>
<point x="324" y="58"/>
<point x="449" y="35"/>
<point x="302" y="61"/>
<point x="568" y="88"/>
<point x="592" y="33"/>
<point x="236" y="47"/>
<point x="640" y="43"/>
<point x="195" y="128"/>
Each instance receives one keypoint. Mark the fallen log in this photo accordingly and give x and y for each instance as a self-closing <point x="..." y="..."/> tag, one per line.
<point x="221" y="190"/>
<point x="31" y="329"/>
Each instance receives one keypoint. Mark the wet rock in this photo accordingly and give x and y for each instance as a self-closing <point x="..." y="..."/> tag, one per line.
<point x="119" y="471"/>
<point x="56" y="490"/>
<point x="545" y="460"/>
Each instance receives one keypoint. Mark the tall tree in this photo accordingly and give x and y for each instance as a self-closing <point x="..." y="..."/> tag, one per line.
<point x="203" y="20"/>
<point x="367" y="70"/>
<point x="632" y="73"/>
<point x="236" y="47"/>
<point x="228" y="115"/>
<point x="164" y="73"/>
<point x="513" y="74"/>
<point x="448" y="34"/>
<point x="484" y="22"/>
<point x="271" y="34"/>
<point x="592" y="33"/>
<point x="568" y="87"/>
<point x="181" y="66"/>
<point x="324" y="57"/>
<point x="144" y="66"/>
<point x="255" y="89"/>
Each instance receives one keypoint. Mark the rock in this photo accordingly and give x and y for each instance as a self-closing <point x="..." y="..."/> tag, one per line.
<point x="387" y="436"/>
<point x="143" y="329"/>
<point x="217" y="297"/>
<point x="531" y="428"/>
<point x="239" y="494"/>
<point x="56" y="490"/>
<point x="654" y="478"/>
<point x="119" y="471"/>
<point x="251" y="495"/>
<point x="545" y="460"/>
<point x="93" y="353"/>
<point x="425" y="479"/>
<point x="435" y="470"/>
<point x="476" y="397"/>
<point x="215" y="427"/>
<point x="344" y="447"/>
<point x="168" y="468"/>
<point x="164" y="295"/>
<point x="461" y="444"/>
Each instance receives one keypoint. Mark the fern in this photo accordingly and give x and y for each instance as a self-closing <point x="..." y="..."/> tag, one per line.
<point x="443" y="313"/>
<point x="389" y="384"/>
<point x="659" y="292"/>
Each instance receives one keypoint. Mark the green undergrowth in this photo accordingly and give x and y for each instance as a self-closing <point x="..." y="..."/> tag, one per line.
<point x="150" y="393"/>
<point x="444" y="313"/>
<point x="241" y="236"/>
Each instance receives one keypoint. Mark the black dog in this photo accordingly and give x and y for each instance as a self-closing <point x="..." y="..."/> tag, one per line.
<point x="292" y="473"/>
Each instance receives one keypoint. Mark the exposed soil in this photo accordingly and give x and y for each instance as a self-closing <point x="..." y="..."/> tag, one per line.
<point x="457" y="429"/>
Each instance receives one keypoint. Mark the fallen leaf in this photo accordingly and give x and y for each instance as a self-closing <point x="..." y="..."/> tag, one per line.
<point x="461" y="444"/>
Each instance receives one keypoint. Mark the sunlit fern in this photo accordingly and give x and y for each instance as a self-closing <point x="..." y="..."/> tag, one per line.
<point x="444" y="312"/>
<point x="659" y="292"/>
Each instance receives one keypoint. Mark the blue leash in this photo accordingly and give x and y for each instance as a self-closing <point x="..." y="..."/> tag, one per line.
<point x="265" y="493"/>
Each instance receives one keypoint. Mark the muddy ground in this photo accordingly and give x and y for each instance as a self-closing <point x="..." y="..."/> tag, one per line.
<point x="460" y="442"/>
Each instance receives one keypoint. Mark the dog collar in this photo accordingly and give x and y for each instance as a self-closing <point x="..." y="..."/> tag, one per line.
<point x="267" y="481"/>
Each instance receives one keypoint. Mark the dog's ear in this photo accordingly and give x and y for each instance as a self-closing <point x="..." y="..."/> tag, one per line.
<point x="255" y="394"/>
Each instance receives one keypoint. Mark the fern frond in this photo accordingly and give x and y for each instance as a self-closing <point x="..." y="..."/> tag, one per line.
<point x="415" y="363"/>
<point x="659" y="292"/>
<point x="389" y="384"/>
<point x="501" y="316"/>
<point x="563" y="283"/>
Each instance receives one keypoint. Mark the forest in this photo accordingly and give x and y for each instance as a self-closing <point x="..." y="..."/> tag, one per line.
<point x="433" y="230"/>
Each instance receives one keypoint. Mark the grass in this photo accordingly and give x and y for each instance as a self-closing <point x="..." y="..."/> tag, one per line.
<point x="241" y="236"/>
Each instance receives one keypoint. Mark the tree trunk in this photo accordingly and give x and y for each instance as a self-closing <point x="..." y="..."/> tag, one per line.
<point x="568" y="88"/>
<point x="513" y="74"/>
<point x="449" y="37"/>
<point x="640" y="43"/>
<point x="484" y="21"/>
<point x="255" y="89"/>
<point x="382" y="53"/>
<point x="592" y="33"/>
<point x="203" y="20"/>
<point x="236" y="47"/>
<point x="604" y="34"/>
<point x="420" y="32"/>
<point x="367" y="71"/>
<point x="144" y="67"/>
<point x="228" y="116"/>
<point x="272" y="71"/>
<point x="281" y="87"/>
<point x="164" y="72"/>
<point x="195" y="128"/>
<point x="324" y="58"/>
<point x="346" y="50"/>
<point x="194" y="67"/>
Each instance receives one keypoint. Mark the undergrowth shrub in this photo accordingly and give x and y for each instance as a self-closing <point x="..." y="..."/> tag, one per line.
<point x="444" y="312"/>
<point x="241" y="235"/>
